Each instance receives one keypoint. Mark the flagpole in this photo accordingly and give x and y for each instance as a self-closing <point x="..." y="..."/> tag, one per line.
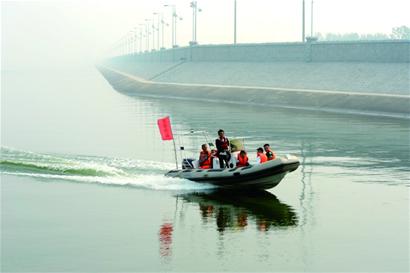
<point x="175" y="151"/>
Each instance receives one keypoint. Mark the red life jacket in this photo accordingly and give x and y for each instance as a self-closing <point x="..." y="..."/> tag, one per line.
<point x="242" y="161"/>
<point x="205" y="160"/>
<point x="263" y="157"/>
<point x="224" y="143"/>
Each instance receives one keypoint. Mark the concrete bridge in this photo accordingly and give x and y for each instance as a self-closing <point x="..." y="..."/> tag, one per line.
<point x="386" y="51"/>
<point x="342" y="76"/>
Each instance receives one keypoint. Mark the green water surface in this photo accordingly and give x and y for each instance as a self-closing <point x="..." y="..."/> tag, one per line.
<point x="82" y="185"/>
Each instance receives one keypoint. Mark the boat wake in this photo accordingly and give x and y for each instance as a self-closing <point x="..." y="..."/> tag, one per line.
<point x="93" y="169"/>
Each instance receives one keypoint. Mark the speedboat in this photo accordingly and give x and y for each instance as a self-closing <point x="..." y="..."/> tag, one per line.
<point x="258" y="176"/>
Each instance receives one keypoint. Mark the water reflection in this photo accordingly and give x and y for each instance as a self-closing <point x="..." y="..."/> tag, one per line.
<point x="239" y="210"/>
<point x="165" y="239"/>
<point x="338" y="144"/>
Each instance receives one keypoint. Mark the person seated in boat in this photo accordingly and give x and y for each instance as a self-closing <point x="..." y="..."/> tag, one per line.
<point x="205" y="161"/>
<point x="242" y="159"/>
<point x="260" y="156"/>
<point x="214" y="153"/>
<point x="214" y="159"/>
<point x="269" y="153"/>
<point x="222" y="145"/>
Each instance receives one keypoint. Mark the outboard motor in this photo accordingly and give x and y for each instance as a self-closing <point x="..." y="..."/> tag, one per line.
<point x="187" y="163"/>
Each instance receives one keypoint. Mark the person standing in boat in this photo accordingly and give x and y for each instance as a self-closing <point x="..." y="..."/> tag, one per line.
<point x="260" y="156"/>
<point x="205" y="160"/>
<point x="269" y="153"/>
<point x="222" y="145"/>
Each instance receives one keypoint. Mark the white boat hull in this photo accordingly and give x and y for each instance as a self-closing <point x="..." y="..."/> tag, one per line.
<point x="261" y="176"/>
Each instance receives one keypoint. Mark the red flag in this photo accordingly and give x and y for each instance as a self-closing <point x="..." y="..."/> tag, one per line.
<point x="165" y="129"/>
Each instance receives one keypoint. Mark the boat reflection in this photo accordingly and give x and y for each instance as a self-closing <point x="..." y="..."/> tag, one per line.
<point x="165" y="239"/>
<point x="238" y="210"/>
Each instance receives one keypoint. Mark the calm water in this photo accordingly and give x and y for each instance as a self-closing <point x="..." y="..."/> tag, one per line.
<point x="83" y="187"/>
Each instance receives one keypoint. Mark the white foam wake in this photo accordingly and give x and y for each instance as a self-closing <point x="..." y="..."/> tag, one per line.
<point x="100" y="170"/>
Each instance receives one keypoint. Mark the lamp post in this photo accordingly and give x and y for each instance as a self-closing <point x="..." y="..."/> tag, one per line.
<point x="194" y="6"/>
<point x="157" y="28"/>
<point x="311" y="19"/>
<point x="175" y="39"/>
<point x="140" y="43"/>
<point x="162" y="30"/>
<point x="234" y="22"/>
<point x="119" y="47"/>
<point x="174" y="24"/>
<point x="124" y="45"/>
<point x="303" y="21"/>
<point x="173" y="14"/>
<point x="129" y="42"/>
<point x="141" y="27"/>
<point x="153" y="31"/>
<point x="135" y="40"/>
<point x="147" y="34"/>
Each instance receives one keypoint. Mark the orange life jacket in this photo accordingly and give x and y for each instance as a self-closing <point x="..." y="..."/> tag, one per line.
<point x="242" y="161"/>
<point x="263" y="157"/>
<point x="205" y="160"/>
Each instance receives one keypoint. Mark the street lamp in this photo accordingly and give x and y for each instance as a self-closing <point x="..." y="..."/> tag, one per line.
<point x="153" y="31"/>
<point x="141" y="28"/>
<point x="157" y="28"/>
<point x="303" y="21"/>
<point x="135" y="40"/>
<point x="174" y="24"/>
<point x="234" y="22"/>
<point x="124" y="45"/>
<point x="194" y="6"/>
<point x="131" y="39"/>
<point x="120" y="46"/>
<point x="147" y="34"/>
<point x="162" y="31"/>
<point x="311" y="19"/>
<point x="129" y="42"/>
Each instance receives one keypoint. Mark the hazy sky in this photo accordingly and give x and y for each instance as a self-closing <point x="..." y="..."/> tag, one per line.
<point x="70" y="33"/>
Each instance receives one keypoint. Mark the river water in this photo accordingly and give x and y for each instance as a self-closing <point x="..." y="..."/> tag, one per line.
<point x="82" y="185"/>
